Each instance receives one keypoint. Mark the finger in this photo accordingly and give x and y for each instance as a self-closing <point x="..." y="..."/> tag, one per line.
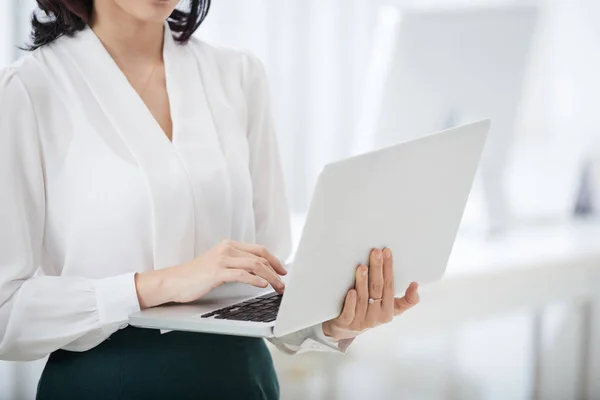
<point x="244" y="254"/>
<point x="362" y="297"/>
<point x="374" y="314"/>
<point x="387" y="304"/>
<point x="260" y="251"/>
<point x="376" y="274"/>
<point x="256" y="267"/>
<point x="409" y="300"/>
<point x="374" y="310"/>
<point x="239" y="275"/>
<point x="347" y="316"/>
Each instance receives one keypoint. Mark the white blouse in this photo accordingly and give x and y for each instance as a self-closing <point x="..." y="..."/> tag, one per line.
<point x="92" y="191"/>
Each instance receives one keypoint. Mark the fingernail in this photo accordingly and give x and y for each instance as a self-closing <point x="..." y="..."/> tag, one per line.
<point x="364" y="272"/>
<point x="352" y="294"/>
<point x="379" y="255"/>
<point x="387" y="253"/>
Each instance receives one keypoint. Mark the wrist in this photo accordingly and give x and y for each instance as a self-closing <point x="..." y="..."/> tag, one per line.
<point x="327" y="329"/>
<point x="153" y="288"/>
<point x="330" y="330"/>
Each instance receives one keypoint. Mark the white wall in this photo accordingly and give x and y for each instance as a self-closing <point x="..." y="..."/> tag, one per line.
<point x="6" y="32"/>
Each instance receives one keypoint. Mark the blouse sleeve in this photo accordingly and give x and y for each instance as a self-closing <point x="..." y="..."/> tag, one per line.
<point x="272" y="217"/>
<point x="40" y="314"/>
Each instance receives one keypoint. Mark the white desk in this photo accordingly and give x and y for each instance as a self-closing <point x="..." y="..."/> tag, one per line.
<point x="526" y="268"/>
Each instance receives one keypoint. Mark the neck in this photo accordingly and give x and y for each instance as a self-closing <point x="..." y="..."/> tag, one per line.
<point x="125" y="37"/>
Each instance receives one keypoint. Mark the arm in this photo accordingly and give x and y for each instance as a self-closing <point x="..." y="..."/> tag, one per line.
<point x="40" y="314"/>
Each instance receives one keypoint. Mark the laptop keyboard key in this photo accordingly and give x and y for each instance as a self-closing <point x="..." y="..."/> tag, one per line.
<point x="259" y="309"/>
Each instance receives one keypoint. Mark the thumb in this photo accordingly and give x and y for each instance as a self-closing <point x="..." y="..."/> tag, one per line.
<point x="409" y="300"/>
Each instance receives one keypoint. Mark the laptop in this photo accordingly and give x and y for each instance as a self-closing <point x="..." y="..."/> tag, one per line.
<point x="409" y="197"/>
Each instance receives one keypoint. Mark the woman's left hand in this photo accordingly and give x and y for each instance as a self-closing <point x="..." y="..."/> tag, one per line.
<point x="371" y="303"/>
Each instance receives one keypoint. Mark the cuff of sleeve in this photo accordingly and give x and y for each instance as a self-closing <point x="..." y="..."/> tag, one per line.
<point x="320" y="337"/>
<point x="308" y="340"/>
<point x="339" y="345"/>
<point x="117" y="300"/>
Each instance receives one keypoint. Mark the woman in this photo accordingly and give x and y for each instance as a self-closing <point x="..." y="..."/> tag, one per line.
<point x="139" y="167"/>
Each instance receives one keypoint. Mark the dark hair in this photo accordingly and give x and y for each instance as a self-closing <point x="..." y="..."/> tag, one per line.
<point x="67" y="17"/>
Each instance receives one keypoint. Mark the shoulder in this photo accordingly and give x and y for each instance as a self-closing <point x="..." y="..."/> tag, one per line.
<point x="225" y="56"/>
<point x="18" y="121"/>
<point x="12" y="87"/>
<point x="25" y="76"/>
<point x="228" y="60"/>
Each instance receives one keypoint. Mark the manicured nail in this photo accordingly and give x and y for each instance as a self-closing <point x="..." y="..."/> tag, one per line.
<point x="379" y="255"/>
<point x="364" y="272"/>
<point x="387" y="253"/>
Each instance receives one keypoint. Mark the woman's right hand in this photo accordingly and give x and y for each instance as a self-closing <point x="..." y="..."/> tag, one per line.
<point x="228" y="261"/>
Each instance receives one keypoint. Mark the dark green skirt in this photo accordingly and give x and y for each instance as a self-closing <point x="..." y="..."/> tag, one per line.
<point x="144" y="364"/>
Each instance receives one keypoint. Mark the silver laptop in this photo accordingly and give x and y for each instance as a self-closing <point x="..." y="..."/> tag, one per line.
<point x="409" y="197"/>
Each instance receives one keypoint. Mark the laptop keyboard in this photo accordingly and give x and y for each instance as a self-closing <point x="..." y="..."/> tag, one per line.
<point x="259" y="309"/>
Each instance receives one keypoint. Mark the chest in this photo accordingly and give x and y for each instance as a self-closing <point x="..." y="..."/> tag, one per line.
<point x="114" y="177"/>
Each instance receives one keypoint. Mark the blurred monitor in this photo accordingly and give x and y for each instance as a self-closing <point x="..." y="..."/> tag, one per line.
<point x="449" y="67"/>
<point x="454" y="65"/>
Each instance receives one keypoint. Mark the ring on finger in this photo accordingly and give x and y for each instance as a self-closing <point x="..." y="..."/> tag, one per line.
<point x="372" y="300"/>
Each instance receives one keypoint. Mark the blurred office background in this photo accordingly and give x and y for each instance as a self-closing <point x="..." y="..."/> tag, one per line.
<point x="517" y="316"/>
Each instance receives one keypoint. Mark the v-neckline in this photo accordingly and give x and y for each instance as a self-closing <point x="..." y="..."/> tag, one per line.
<point x="170" y="133"/>
<point x="167" y="43"/>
